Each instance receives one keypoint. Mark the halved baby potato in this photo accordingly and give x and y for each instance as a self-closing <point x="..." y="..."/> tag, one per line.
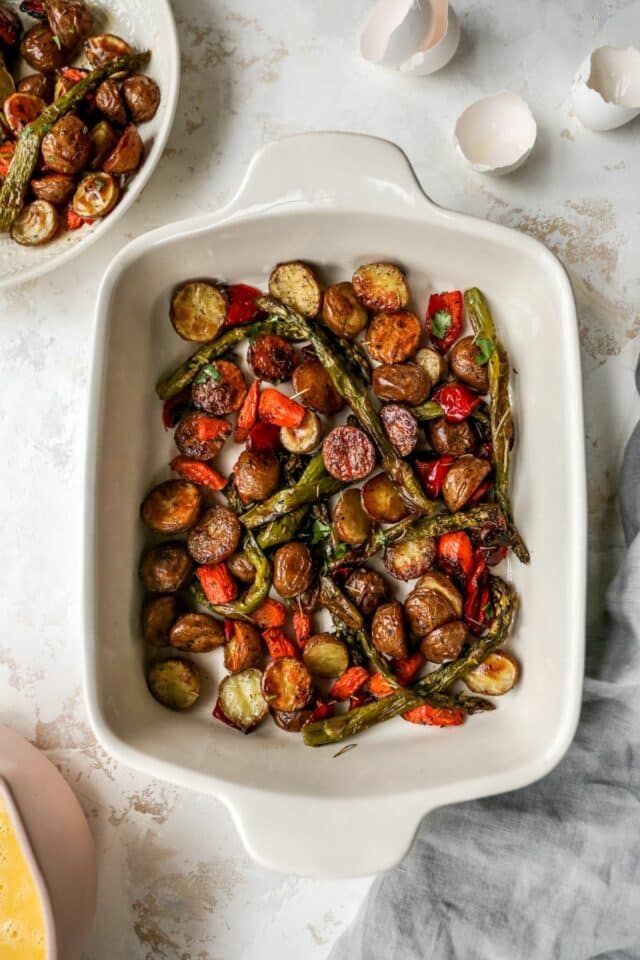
<point x="433" y="363"/>
<point x="351" y="523"/>
<point x="326" y="655"/>
<point x="96" y="195"/>
<point x="198" y="311"/>
<point x="196" y="633"/>
<point x="241" y="702"/>
<point x="381" y="286"/>
<point x="287" y="684"/>
<point x="410" y="559"/>
<point x="296" y="285"/>
<point x="36" y="223"/>
<point x="381" y="500"/>
<point x="342" y="312"/>
<point x="305" y="438"/>
<point x="175" y="683"/>
<point x="495" y="675"/>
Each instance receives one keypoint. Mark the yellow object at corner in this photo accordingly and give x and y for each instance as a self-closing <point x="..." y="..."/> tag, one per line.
<point x="22" y="929"/>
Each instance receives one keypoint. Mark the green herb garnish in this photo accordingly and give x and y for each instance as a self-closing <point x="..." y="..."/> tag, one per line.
<point x="208" y="372"/>
<point x="56" y="40"/>
<point x="485" y="349"/>
<point x="440" y="322"/>
<point x="319" y="531"/>
<point x="340" y="550"/>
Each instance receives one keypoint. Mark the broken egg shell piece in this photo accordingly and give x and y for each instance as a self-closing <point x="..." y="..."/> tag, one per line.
<point x="395" y="29"/>
<point x="437" y="55"/>
<point x="496" y="134"/>
<point x="606" y="91"/>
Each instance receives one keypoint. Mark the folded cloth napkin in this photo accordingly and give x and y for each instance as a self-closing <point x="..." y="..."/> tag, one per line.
<point x="549" y="871"/>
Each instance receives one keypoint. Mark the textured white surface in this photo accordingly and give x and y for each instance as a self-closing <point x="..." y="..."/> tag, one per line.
<point x="174" y="882"/>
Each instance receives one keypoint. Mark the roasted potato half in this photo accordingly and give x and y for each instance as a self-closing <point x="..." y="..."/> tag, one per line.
<point x="314" y="388"/>
<point x="292" y="569"/>
<point x="411" y="558"/>
<point x="96" y="195"/>
<point x="287" y="684"/>
<point x="452" y="438"/>
<point x="342" y="312"/>
<point x="158" y="616"/>
<point x="165" y="568"/>
<point x="462" y="481"/>
<point x="466" y="364"/>
<point x="241" y="703"/>
<point x="142" y="96"/>
<point x="215" y="536"/>
<point x="403" y="382"/>
<point x="494" y="676"/>
<point x="305" y="438"/>
<point x="198" y="311"/>
<point x="67" y="146"/>
<point x="393" y="337"/>
<point x="326" y="655"/>
<point x="37" y="223"/>
<point x="381" y="500"/>
<point x="196" y="633"/>
<point x="103" y="139"/>
<point x="40" y="49"/>
<point x="445" y="642"/>
<point x="70" y="20"/>
<point x="56" y="188"/>
<point x="244" y="647"/>
<point x="433" y="363"/>
<point x="381" y="286"/>
<point x="38" y="84"/>
<point x="367" y="589"/>
<point x="351" y="523"/>
<point x="104" y="47"/>
<point x="127" y="154"/>
<point x="388" y="632"/>
<point x="175" y="683"/>
<point x="296" y="285"/>
<point x="400" y="426"/>
<point x="171" y="507"/>
<point x="241" y="567"/>
<point x="110" y="102"/>
<point x="256" y="475"/>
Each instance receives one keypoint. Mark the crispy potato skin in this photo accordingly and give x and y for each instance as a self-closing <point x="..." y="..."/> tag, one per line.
<point x="445" y="642"/>
<point x="70" y="20"/>
<point x="158" y="616"/>
<point x="292" y="721"/>
<point x="165" y="568"/>
<point x="67" y="146"/>
<point x="271" y="358"/>
<point x="441" y="583"/>
<point x="103" y="139"/>
<point x="342" y="312"/>
<point x="142" y="96"/>
<point x="175" y="683"/>
<point x="348" y="453"/>
<point x="314" y="389"/>
<point x="351" y="523"/>
<point x="325" y="655"/>
<point x="388" y="633"/>
<point x="393" y="337"/>
<point x="463" y="361"/>
<point x="367" y="589"/>
<point x="188" y="443"/>
<point x="244" y="649"/>
<point x="404" y="382"/>
<point x="37" y="223"/>
<point x="257" y="475"/>
<point x="221" y="395"/>
<point x="381" y="286"/>
<point x="400" y="426"/>
<point x="462" y="481"/>
<point x="296" y="285"/>
<point x="433" y="601"/>
<point x="54" y="187"/>
<point x="127" y="154"/>
<point x="197" y="311"/>
<point x="38" y="85"/>
<point x="196" y="633"/>
<point x="381" y="500"/>
<point x="453" y="438"/>
<point x="292" y="569"/>
<point x="171" y="507"/>
<point x="287" y="684"/>
<point x="215" y="536"/>
<point x="104" y="47"/>
<point x="241" y="567"/>
<point x="96" y="195"/>
<point x="410" y="559"/>
<point x="40" y="50"/>
<point x="109" y="101"/>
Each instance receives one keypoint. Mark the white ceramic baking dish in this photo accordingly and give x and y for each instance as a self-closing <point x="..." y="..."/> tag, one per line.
<point x="338" y="200"/>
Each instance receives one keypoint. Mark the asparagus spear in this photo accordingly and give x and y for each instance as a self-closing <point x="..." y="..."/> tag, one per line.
<point x="242" y="608"/>
<point x="430" y="410"/>
<point x="289" y="499"/>
<point x="183" y="375"/>
<point x="500" y="410"/>
<point x="284" y="528"/>
<point x="358" y="399"/>
<point x="16" y="184"/>
<point x="355" y="721"/>
<point x="356" y="357"/>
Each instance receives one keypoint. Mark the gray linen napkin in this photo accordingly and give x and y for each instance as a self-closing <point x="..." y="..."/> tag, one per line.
<point x="549" y="871"/>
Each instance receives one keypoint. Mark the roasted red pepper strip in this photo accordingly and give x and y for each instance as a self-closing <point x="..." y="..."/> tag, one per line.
<point x="210" y="428"/>
<point x="350" y="683"/>
<point x="263" y="436"/>
<point x="481" y="492"/>
<point x="322" y="710"/>
<point x="174" y="407"/>
<point x="432" y="474"/>
<point x="74" y="222"/>
<point x="457" y="401"/>
<point x="278" y="643"/>
<point x="270" y="613"/>
<point x="406" y="669"/>
<point x="198" y="472"/>
<point x="444" y="319"/>
<point x="301" y="627"/>
<point x="217" y="583"/>
<point x="242" y="304"/>
<point x="248" y="413"/>
<point x="473" y="599"/>
<point x="435" y="716"/>
<point x="7" y="151"/>
<point x="229" y="627"/>
<point x="275" y="408"/>
<point x="455" y="555"/>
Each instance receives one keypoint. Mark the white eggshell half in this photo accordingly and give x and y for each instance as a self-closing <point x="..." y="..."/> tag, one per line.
<point x="395" y="29"/>
<point x="438" y="49"/>
<point x="606" y="91"/>
<point x="497" y="133"/>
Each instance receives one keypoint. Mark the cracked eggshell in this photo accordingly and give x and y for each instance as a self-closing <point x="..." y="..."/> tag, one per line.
<point x="606" y="91"/>
<point x="395" y="29"/>
<point x="496" y="134"/>
<point x="439" y="47"/>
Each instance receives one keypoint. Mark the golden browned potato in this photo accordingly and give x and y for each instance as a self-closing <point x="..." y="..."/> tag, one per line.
<point x="381" y="286"/>
<point x="215" y="536"/>
<point x="325" y="655"/>
<point x="244" y="648"/>
<point x="39" y="48"/>
<point x="219" y="388"/>
<point x="433" y="364"/>
<point x="19" y="111"/>
<point x="127" y="154"/>
<point x="109" y="101"/>
<point x="70" y="20"/>
<point x="411" y="558"/>
<point x="271" y="358"/>
<point x="381" y="500"/>
<point x="441" y="583"/>
<point x="103" y="139"/>
<point x="171" y="507"/>
<point x="198" y="311"/>
<point x="67" y="146"/>
<point x="494" y="676"/>
<point x="256" y="475"/>
<point x="404" y="382"/>
<point x="433" y="601"/>
<point x="400" y="426"/>
<point x="241" y="567"/>
<point x="314" y="388"/>
<point x="296" y="285"/>
<point x="96" y="195"/>
<point x="393" y="337"/>
<point x="305" y="438"/>
<point x="188" y="442"/>
<point x="367" y="589"/>
<point x="465" y="361"/>
<point x="453" y="438"/>
<point x="445" y="642"/>
<point x="56" y="188"/>
<point x="37" y="223"/>
<point x="196" y="633"/>
<point x="240" y="700"/>
<point x="292" y="569"/>
<point x="462" y="481"/>
<point x="158" y="616"/>
<point x="142" y="96"/>
<point x="292" y="721"/>
<point x="309" y="601"/>
<point x="287" y="684"/>
<point x="37" y="84"/>
<point x="351" y="523"/>
<point x="342" y="312"/>
<point x="165" y="568"/>
<point x="175" y="683"/>
<point x="388" y="633"/>
<point x="105" y="47"/>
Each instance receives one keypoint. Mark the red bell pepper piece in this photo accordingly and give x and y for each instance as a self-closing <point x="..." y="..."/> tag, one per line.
<point x="174" y="407"/>
<point x="278" y="643"/>
<point x="248" y="413"/>
<point x="432" y="474"/>
<point x="444" y="319"/>
<point x="74" y="222"/>
<point x="270" y="613"/>
<point x="275" y="408"/>
<point x="457" y="401"/>
<point x="455" y="555"/>
<point x="217" y="583"/>
<point x="358" y="701"/>
<point x="406" y="669"/>
<point x="301" y="627"/>
<point x="263" y="436"/>
<point x="473" y="599"/>
<point x="435" y="716"/>
<point x="199" y="473"/>
<point x="322" y="710"/>
<point x="7" y="151"/>
<point x="229" y="627"/>
<point x="34" y="8"/>
<point x="350" y="683"/>
<point x="481" y="492"/>
<point x="210" y="428"/>
<point x="242" y="304"/>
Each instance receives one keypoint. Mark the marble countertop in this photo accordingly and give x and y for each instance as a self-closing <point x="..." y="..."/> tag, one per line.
<point x="175" y="883"/>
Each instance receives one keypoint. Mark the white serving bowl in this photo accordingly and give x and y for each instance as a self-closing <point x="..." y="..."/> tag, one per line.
<point x="337" y="200"/>
<point x="147" y="25"/>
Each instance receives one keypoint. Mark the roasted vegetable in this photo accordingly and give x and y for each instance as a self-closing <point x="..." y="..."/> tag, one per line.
<point x="287" y="684"/>
<point x="67" y="146"/>
<point x="37" y="84"/>
<point x="96" y="195"/>
<point x="165" y="568"/>
<point x="404" y="382"/>
<point x="410" y="559"/>
<point x="444" y="319"/>
<point x="271" y="358"/>
<point x="196" y="633"/>
<point x="20" y="109"/>
<point x="189" y="442"/>
<point x="401" y="427"/>
<point x="278" y="410"/>
<point x="451" y="438"/>
<point x="289" y="499"/>
<point x="103" y="139"/>
<point x="142" y="96"/>
<point x="171" y="507"/>
<point x="109" y="101"/>
<point x="388" y="632"/>
<point x="468" y="362"/>
<point x="296" y="285"/>
<point x="10" y="28"/>
<point x="158" y="616"/>
<point x="433" y="601"/>
<point x="56" y="188"/>
<point x="70" y="20"/>
<point x="105" y="49"/>
<point x="339" y="605"/>
<point x="496" y="675"/>
<point x="219" y="388"/>
<point x="342" y="312"/>
<point x="244" y="606"/>
<point x="325" y="655"/>
<point x="39" y="48"/>
<point x="381" y="286"/>
<point x="241" y="703"/>
<point x="292" y="569"/>
<point x="348" y="453"/>
<point x="433" y="364"/>
<point x="36" y="223"/>
<point x="381" y="500"/>
<point x="304" y="438"/>
<point x="256" y="475"/>
<point x="314" y="388"/>
<point x="393" y="337"/>
<point x="444" y="642"/>
<point x="243" y="648"/>
<point x="241" y="567"/>
<point x="367" y="589"/>
<point x="351" y="523"/>
<point x="175" y="683"/>
<point x="127" y="154"/>
<point x="462" y="480"/>
<point x="215" y="536"/>
<point x="218" y="586"/>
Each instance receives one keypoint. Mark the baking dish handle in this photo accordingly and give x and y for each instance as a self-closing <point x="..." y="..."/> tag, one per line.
<point x="309" y="167"/>
<point x="326" y="837"/>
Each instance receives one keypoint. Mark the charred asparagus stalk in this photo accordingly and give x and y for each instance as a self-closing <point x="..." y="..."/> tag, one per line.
<point x="500" y="411"/>
<point x="249" y="602"/>
<point x="16" y="183"/>
<point x="355" y="721"/>
<point x="289" y="499"/>
<point x="283" y="529"/>
<point x="358" y="399"/>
